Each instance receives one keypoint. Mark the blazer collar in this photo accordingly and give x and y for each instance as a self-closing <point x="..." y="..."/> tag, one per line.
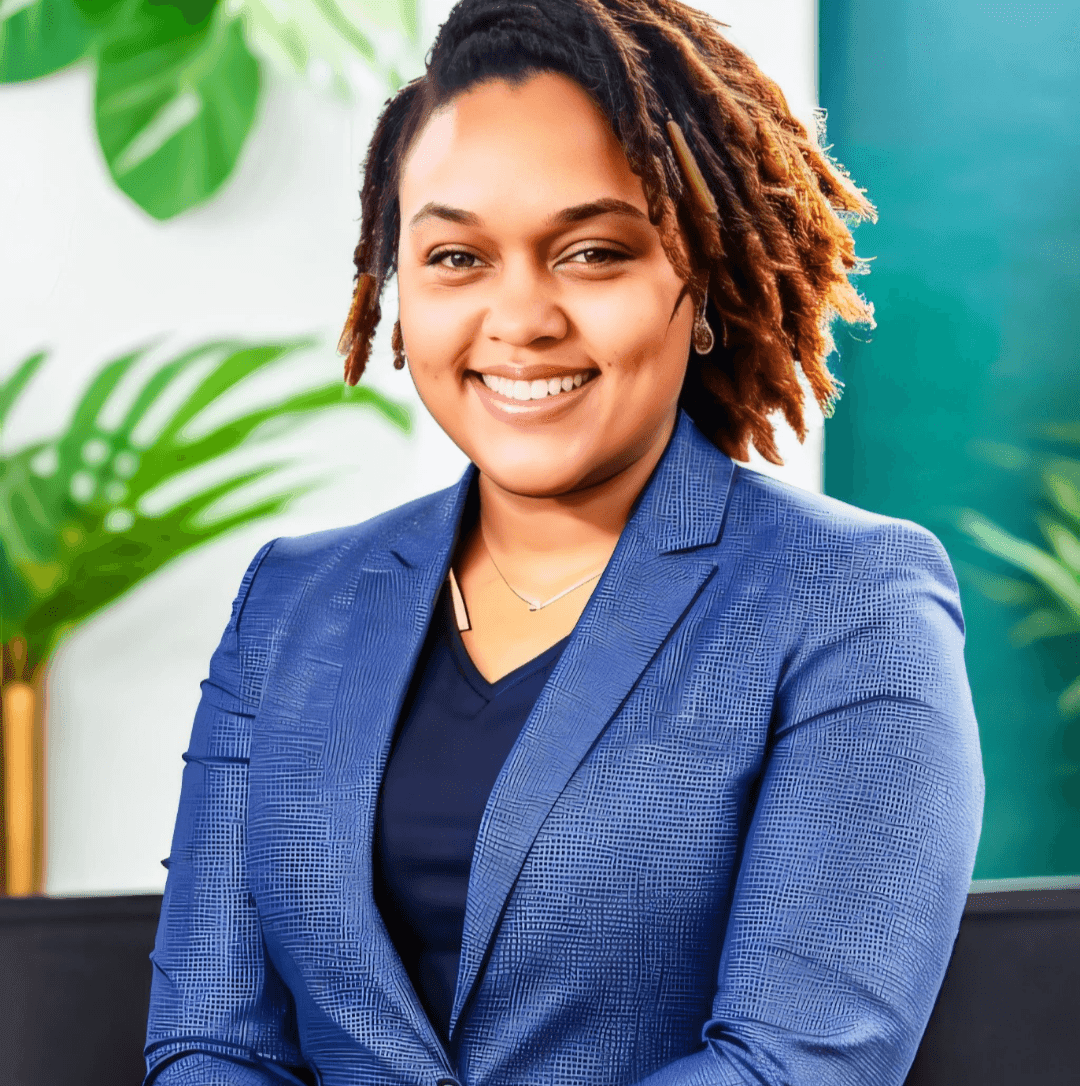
<point x="681" y="506"/>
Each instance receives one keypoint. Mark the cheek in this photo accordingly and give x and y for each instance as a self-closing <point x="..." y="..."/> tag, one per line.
<point x="435" y="327"/>
<point x="633" y="328"/>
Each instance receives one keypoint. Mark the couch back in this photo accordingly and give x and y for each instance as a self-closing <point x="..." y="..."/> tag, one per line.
<point x="75" y="987"/>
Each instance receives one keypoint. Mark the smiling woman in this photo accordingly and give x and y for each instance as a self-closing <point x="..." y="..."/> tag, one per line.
<point x="561" y="279"/>
<point x="615" y="762"/>
<point x="535" y="283"/>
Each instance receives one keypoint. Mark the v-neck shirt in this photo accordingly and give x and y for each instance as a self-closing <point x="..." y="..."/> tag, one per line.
<point x="452" y="738"/>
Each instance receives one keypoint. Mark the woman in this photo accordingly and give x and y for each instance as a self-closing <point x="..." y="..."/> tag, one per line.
<point x="615" y="762"/>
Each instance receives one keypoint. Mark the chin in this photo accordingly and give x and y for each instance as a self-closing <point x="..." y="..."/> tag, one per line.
<point x="533" y="481"/>
<point x="551" y="476"/>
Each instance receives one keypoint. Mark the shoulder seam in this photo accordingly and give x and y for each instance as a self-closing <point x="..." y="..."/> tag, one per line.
<point x="249" y="579"/>
<point x="241" y="603"/>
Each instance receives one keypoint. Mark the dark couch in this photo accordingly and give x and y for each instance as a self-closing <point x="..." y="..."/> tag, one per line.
<point x="75" y="983"/>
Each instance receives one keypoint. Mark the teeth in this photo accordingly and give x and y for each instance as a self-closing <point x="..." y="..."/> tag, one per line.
<point x="531" y="390"/>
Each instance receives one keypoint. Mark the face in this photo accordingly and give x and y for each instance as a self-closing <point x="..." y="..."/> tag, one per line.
<point x="546" y="330"/>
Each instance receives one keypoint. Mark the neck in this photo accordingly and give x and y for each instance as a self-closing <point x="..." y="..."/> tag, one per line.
<point x="542" y="543"/>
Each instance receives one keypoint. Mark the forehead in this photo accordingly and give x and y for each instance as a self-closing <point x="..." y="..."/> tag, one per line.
<point x="540" y="144"/>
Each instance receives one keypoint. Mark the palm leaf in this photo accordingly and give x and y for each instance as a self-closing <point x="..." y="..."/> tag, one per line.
<point x="10" y="389"/>
<point x="1062" y="431"/>
<point x="30" y="506"/>
<point x="169" y="458"/>
<point x="1061" y="582"/>
<point x="1055" y="573"/>
<point x="76" y="527"/>
<point x="161" y="380"/>
<point x="1065" y="544"/>
<point x="1042" y="623"/>
<point x="84" y="420"/>
<point x="1008" y="590"/>
<point x="108" y="569"/>
<point x="1062" y="490"/>
<point x="1069" y="700"/>
<point x="241" y="362"/>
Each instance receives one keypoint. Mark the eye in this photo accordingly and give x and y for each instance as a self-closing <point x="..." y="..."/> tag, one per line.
<point x="597" y="255"/>
<point x="454" y="258"/>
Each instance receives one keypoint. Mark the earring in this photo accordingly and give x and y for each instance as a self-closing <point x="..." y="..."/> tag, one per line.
<point x="702" y="336"/>
<point x="397" y="345"/>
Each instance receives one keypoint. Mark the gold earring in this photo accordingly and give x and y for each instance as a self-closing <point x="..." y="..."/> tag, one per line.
<point x="397" y="345"/>
<point x="702" y="336"/>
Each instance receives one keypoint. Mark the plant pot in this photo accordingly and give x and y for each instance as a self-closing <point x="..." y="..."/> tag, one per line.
<point x="23" y="749"/>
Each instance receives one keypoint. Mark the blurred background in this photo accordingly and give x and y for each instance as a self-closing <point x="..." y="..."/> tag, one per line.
<point x="178" y="209"/>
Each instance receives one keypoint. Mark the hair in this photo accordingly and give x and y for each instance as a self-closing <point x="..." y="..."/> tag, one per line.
<point x="770" y="248"/>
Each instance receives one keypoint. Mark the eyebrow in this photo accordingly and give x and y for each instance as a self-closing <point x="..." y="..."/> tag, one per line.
<point x="569" y="216"/>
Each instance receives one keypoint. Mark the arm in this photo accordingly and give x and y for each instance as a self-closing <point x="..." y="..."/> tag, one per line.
<point x="219" y="1014"/>
<point x="859" y="856"/>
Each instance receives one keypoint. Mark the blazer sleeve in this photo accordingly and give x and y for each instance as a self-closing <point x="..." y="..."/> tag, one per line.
<point x="858" y="858"/>
<point x="219" y="1014"/>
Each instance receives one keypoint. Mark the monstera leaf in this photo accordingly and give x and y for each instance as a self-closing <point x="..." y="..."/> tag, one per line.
<point x="174" y="104"/>
<point x="178" y="81"/>
<point x="324" y="40"/>
<point x="81" y="515"/>
<point x="41" y="38"/>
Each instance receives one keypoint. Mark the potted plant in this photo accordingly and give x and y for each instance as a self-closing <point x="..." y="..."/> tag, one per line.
<point x="77" y="531"/>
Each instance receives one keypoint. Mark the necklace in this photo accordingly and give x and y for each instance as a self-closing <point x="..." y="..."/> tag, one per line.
<point x="537" y="605"/>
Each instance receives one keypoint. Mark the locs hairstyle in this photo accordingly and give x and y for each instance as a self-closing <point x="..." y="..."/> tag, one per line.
<point x="768" y="239"/>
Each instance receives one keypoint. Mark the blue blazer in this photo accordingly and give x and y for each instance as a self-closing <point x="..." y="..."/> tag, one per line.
<point x="731" y="844"/>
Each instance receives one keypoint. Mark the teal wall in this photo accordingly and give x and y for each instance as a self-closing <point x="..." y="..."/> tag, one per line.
<point x="961" y="118"/>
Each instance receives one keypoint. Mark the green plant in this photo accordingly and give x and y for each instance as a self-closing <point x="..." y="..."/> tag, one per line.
<point x="79" y="517"/>
<point x="178" y="81"/>
<point x="1052" y="587"/>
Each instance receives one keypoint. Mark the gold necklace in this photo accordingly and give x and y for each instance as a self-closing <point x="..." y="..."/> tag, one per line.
<point x="461" y="613"/>
<point x="537" y="605"/>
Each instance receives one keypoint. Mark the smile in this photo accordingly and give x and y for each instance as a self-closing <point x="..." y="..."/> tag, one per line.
<point x="540" y="389"/>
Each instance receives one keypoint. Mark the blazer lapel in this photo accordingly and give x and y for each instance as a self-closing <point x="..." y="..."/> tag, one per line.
<point x="649" y="584"/>
<point x="395" y="597"/>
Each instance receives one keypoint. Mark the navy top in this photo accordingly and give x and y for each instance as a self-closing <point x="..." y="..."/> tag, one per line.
<point x="453" y="735"/>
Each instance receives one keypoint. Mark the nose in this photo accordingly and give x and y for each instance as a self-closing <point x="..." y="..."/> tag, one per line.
<point x="523" y="308"/>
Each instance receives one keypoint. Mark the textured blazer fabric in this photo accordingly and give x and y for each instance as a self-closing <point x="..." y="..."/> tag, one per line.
<point x="731" y="844"/>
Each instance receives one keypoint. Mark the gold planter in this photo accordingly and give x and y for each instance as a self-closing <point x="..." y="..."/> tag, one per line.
<point x="23" y="756"/>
